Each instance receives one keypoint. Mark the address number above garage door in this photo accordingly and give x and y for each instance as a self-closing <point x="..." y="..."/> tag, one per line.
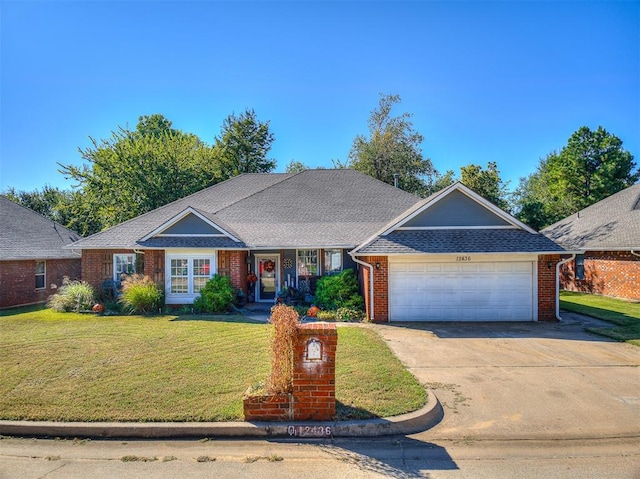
<point x="463" y="259"/>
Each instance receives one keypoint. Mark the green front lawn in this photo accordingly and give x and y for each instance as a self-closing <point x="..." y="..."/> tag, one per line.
<point x="624" y="314"/>
<point x="79" y="367"/>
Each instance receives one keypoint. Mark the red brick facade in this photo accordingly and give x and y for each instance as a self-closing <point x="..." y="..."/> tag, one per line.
<point x="380" y="288"/>
<point x="608" y="273"/>
<point x="97" y="266"/>
<point x="238" y="269"/>
<point x="18" y="283"/>
<point x="546" y="287"/>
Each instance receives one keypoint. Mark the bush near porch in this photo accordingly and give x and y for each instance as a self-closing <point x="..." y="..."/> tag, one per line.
<point x="82" y="367"/>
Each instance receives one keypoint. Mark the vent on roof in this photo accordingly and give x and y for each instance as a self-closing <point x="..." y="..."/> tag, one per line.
<point x="636" y="205"/>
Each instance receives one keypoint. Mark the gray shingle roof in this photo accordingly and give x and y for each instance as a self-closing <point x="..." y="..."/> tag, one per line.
<point x="319" y="208"/>
<point x="460" y="241"/>
<point x="25" y="234"/>
<point x="610" y="224"/>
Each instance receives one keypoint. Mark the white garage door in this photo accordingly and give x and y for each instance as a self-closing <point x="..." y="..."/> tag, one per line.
<point x="500" y="291"/>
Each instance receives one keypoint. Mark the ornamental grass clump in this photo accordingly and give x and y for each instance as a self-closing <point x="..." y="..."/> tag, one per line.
<point x="140" y="295"/>
<point x="73" y="296"/>
<point x="285" y="321"/>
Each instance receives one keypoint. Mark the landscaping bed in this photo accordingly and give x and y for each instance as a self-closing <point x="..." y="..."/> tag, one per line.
<point x="83" y="367"/>
<point x="624" y="314"/>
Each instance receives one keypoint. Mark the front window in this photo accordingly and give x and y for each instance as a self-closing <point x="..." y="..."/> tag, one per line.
<point x="187" y="276"/>
<point x="332" y="261"/>
<point x="123" y="264"/>
<point x="40" y="274"/>
<point x="180" y="276"/>
<point x="308" y="262"/>
<point x="201" y="273"/>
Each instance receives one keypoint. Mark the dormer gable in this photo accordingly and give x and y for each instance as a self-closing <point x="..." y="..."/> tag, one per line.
<point x="191" y="223"/>
<point x="455" y="207"/>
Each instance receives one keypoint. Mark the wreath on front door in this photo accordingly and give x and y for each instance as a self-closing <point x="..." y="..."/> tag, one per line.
<point x="269" y="266"/>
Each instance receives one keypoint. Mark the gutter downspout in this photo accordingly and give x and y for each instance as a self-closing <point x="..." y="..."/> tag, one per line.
<point x="558" y="264"/>
<point x="370" y="266"/>
<point x="634" y="253"/>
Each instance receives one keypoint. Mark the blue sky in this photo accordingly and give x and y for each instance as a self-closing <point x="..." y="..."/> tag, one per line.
<point x="485" y="81"/>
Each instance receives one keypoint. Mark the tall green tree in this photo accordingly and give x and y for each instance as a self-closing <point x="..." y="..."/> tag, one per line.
<point x="49" y="201"/>
<point x="295" y="167"/>
<point x="486" y="182"/>
<point x="392" y="148"/>
<point x="244" y="144"/>
<point x="133" y="172"/>
<point x="591" y="166"/>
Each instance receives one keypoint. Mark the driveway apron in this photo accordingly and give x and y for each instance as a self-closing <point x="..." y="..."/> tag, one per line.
<point x="523" y="380"/>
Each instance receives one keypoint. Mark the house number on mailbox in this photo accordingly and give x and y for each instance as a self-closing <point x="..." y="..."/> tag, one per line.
<point x="314" y="350"/>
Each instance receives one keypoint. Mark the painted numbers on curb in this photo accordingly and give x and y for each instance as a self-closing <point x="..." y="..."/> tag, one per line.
<point x="309" y="431"/>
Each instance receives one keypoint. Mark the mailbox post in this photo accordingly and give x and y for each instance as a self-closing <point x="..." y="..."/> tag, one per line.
<point x="314" y="378"/>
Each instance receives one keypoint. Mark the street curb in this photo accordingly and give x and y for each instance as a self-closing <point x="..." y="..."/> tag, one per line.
<point x="409" y="423"/>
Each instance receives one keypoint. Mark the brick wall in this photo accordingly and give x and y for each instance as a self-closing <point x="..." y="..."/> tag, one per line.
<point x="608" y="273"/>
<point x="97" y="265"/>
<point x="238" y="269"/>
<point x="17" y="280"/>
<point x="314" y="381"/>
<point x="154" y="267"/>
<point x="547" y="287"/>
<point x="380" y="288"/>
<point x="313" y="396"/>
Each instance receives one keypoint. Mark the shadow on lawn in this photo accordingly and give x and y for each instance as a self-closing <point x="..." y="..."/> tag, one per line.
<point x="22" y="309"/>
<point x="216" y="318"/>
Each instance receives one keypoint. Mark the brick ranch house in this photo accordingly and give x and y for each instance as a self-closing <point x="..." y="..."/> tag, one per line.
<point x="33" y="262"/>
<point x="452" y="256"/>
<point x="607" y="234"/>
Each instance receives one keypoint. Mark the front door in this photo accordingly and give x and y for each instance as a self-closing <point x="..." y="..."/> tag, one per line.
<point x="267" y="267"/>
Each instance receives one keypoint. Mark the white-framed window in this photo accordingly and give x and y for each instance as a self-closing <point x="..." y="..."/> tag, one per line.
<point x="186" y="275"/>
<point x="123" y="264"/>
<point x="332" y="261"/>
<point x="41" y="274"/>
<point x="308" y="262"/>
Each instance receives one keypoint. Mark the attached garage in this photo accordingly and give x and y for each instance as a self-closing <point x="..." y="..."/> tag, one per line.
<point x="455" y="256"/>
<point x="463" y="290"/>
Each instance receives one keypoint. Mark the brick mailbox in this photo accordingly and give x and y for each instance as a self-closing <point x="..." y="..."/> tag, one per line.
<point x="313" y="397"/>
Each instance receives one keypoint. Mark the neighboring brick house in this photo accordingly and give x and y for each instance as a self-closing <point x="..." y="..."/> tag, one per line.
<point x="290" y="229"/>
<point x="608" y="235"/>
<point x="33" y="262"/>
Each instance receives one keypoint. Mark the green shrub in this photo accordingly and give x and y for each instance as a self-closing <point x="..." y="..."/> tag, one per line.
<point x="140" y="294"/>
<point x="349" y="315"/>
<point x="339" y="291"/>
<point x="73" y="296"/>
<point x="217" y="295"/>
<point x="326" y="315"/>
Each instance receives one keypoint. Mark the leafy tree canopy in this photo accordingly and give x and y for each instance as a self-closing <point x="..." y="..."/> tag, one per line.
<point x="295" y="167"/>
<point x="592" y="166"/>
<point x="133" y="172"/>
<point x="486" y="182"/>
<point x="244" y="144"/>
<point x="392" y="148"/>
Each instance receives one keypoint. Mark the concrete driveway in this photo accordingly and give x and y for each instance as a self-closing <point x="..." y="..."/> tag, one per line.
<point x="524" y="380"/>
